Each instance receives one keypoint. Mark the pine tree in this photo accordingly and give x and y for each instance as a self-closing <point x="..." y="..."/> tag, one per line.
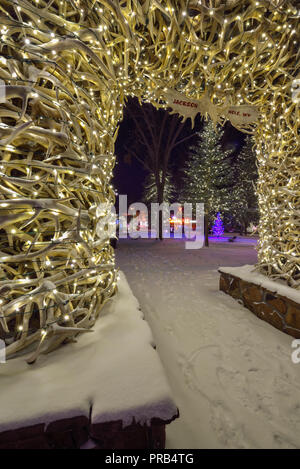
<point x="218" y="228"/>
<point x="208" y="173"/>
<point x="150" y="192"/>
<point x="245" y="207"/>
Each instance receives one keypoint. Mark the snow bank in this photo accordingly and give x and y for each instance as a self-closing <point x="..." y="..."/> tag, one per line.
<point x="114" y="370"/>
<point x="249" y="274"/>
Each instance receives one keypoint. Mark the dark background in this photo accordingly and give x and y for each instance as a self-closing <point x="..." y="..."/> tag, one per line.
<point x="129" y="174"/>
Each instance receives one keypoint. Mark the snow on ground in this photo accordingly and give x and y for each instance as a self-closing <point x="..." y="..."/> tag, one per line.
<point x="231" y="373"/>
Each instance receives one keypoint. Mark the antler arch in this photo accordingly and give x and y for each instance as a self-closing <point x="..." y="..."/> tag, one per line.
<point x="67" y="67"/>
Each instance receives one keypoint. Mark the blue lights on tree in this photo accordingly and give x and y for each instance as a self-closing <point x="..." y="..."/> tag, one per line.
<point x="218" y="228"/>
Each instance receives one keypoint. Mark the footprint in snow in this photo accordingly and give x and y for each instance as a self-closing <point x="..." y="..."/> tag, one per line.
<point x="245" y="389"/>
<point x="229" y="433"/>
<point x="169" y="330"/>
<point x="284" y="442"/>
<point x="199" y="371"/>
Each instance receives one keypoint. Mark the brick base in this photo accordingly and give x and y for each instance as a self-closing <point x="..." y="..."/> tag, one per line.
<point x="281" y="312"/>
<point x="73" y="433"/>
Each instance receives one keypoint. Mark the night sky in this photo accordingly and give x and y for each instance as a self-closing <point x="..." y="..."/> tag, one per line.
<point x="129" y="174"/>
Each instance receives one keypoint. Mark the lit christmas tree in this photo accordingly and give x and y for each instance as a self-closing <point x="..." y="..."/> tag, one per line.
<point x="218" y="228"/>
<point x="208" y="173"/>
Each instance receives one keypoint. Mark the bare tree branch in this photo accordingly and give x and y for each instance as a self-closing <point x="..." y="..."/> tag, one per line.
<point x="184" y="139"/>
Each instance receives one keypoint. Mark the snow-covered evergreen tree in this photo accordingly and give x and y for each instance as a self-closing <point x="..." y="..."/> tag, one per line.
<point x="245" y="208"/>
<point x="151" y="193"/>
<point x="208" y="173"/>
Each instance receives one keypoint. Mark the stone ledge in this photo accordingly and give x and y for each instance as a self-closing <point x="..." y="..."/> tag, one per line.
<point x="280" y="311"/>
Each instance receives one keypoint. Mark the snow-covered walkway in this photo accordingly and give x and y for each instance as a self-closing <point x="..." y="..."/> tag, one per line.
<point x="231" y="374"/>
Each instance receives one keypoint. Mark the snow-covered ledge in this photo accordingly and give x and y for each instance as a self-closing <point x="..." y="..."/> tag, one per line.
<point x="272" y="301"/>
<point x="111" y="380"/>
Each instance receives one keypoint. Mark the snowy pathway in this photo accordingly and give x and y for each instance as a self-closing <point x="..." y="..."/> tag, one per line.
<point x="231" y="374"/>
